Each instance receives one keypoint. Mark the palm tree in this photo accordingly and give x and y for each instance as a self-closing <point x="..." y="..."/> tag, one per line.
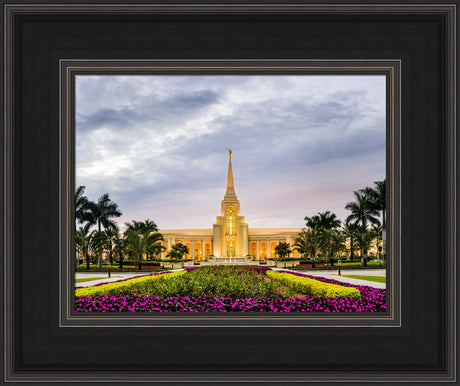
<point x="174" y="254"/>
<point x="82" y="212"/>
<point x="333" y="240"/>
<point x="313" y="221"/>
<point x="181" y="249"/>
<point x="145" y="227"/>
<point x="157" y="249"/>
<point x="283" y="249"/>
<point x="377" y="198"/>
<point x="142" y="226"/>
<point x="120" y="247"/>
<point x="376" y="231"/>
<point x="102" y="213"/>
<point x="349" y="231"/>
<point x="301" y="243"/>
<point x="309" y="241"/>
<point x="88" y="244"/>
<point x="328" y="220"/>
<point x="362" y="212"/>
<point x="110" y="236"/>
<point x="364" y="240"/>
<point x="140" y="244"/>
<point x="324" y="222"/>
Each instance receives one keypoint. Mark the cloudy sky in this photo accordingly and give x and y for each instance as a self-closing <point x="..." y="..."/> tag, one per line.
<point x="157" y="144"/>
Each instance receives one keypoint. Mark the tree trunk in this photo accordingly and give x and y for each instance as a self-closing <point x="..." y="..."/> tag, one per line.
<point x="121" y="260"/>
<point x="87" y="261"/>
<point x="99" y="256"/>
<point x="363" y="258"/>
<point x="352" y="251"/>
<point x="140" y="263"/>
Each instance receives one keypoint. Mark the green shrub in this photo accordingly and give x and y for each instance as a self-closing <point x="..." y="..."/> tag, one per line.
<point x="313" y="287"/>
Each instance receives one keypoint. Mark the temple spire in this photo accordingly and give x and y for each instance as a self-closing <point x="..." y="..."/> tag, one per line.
<point x="230" y="192"/>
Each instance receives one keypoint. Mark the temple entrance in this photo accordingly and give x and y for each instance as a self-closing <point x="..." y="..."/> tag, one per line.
<point x="253" y="249"/>
<point x="263" y="251"/>
<point x="230" y="249"/>
<point x="197" y="252"/>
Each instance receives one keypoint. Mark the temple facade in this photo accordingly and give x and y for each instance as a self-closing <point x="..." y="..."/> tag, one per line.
<point x="230" y="237"/>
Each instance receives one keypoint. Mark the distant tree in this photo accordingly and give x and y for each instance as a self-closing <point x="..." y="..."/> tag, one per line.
<point x="181" y="249"/>
<point x="323" y="222"/>
<point x="333" y="241"/>
<point x="88" y="244"/>
<point x="110" y="236"/>
<point x="157" y="249"/>
<point x="102" y="213"/>
<point x="364" y="240"/>
<point x="142" y="226"/>
<point x="82" y="211"/>
<point x="120" y="247"/>
<point x="362" y="213"/>
<point x="377" y="199"/>
<point x="328" y="220"/>
<point x="174" y="254"/>
<point x="283" y="249"/>
<point x="301" y="243"/>
<point x="140" y="244"/>
<point x="349" y="231"/>
<point x="309" y="241"/>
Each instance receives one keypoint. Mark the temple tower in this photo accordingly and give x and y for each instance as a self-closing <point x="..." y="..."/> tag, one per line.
<point x="230" y="233"/>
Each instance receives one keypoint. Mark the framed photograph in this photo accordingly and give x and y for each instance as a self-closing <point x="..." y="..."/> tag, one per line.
<point x="230" y="248"/>
<point x="176" y="115"/>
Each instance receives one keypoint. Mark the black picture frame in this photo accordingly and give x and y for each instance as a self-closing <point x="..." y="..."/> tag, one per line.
<point x="39" y="348"/>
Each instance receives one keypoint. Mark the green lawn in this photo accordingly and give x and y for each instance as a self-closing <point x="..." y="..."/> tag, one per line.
<point x="379" y="279"/>
<point x="92" y="278"/>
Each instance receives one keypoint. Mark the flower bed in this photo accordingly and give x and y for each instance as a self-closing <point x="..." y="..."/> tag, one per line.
<point x="192" y="286"/>
<point x="125" y="285"/>
<point x="208" y="304"/>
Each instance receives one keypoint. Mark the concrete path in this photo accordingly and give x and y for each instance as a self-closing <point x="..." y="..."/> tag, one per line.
<point x="115" y="276"/>
<point x="334" y="275"/>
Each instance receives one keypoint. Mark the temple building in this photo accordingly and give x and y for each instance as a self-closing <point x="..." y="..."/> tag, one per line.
<point x="230" y="237"/>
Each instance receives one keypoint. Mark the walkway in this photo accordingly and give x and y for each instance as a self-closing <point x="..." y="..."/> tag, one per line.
<point x="334" y="275"/>
<point x="115" y="276"/>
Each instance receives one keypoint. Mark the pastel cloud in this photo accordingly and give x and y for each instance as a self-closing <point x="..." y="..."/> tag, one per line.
<point x="301" y="144"/>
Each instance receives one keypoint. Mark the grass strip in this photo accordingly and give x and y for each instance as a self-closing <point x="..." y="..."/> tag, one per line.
<point x="378" y="279"/>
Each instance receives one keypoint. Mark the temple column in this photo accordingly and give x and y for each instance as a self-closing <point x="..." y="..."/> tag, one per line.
<point x="203" y="253"/>
<point x="169" y="244"/>
<point x="269" y="249"/>
<point x="193" y="250"/>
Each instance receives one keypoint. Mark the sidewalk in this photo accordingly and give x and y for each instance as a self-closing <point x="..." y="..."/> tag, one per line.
<point x="334" y="275"/>
<point x="115" y="276"/>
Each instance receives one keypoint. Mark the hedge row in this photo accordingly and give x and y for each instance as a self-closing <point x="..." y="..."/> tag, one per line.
<point x="124" y="286"/>
<point x="314" y="287"/>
